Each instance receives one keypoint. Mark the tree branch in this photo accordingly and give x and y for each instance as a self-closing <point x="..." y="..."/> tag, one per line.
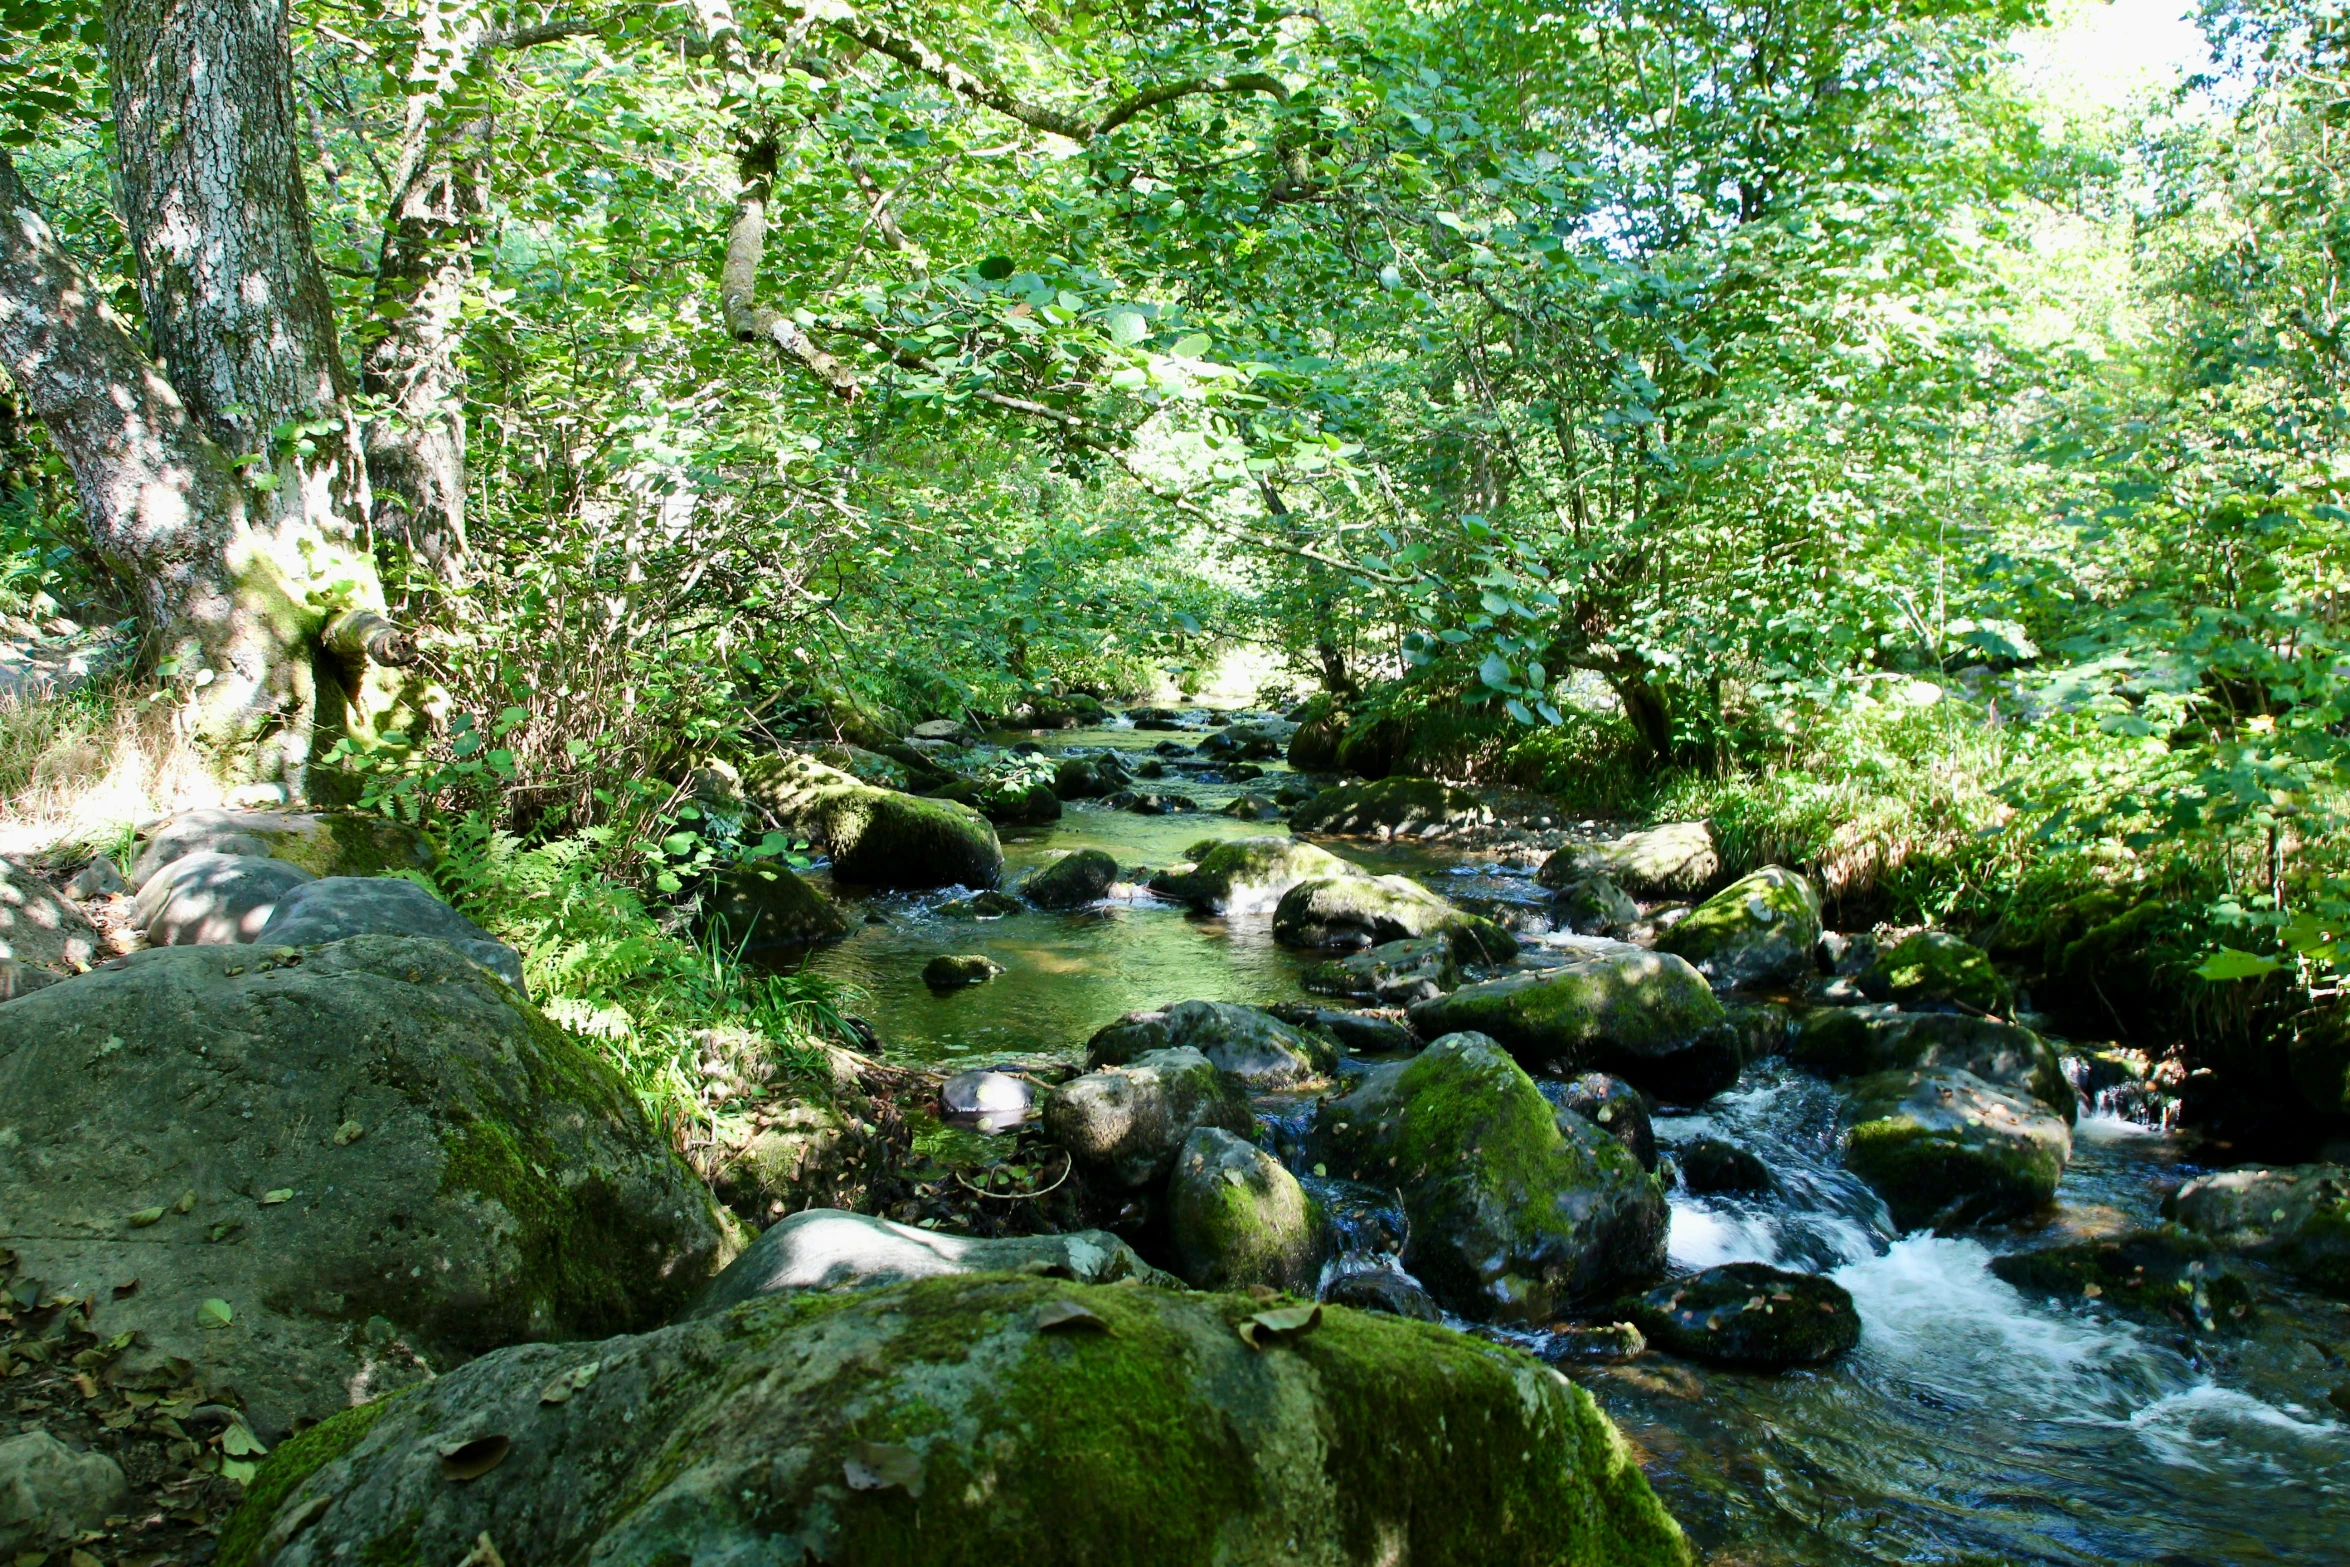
<point x="738" y="281"/>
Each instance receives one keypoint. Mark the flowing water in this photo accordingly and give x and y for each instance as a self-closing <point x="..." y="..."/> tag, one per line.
<point x="1973" y="1424"/>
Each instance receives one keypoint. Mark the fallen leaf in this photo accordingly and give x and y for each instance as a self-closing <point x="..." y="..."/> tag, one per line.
<point x="876" y="1466"/>
<point x="238" y="1441"/>
<point x="85" y="1384"/>
<point x="187" y="1202"/>
<point x="560" y="1390"/>
<point x="126" y="1291"/>
<point x="282" y="1194"/>
<point x="214" y="1313"/>
<point x="223" y="1230"/>
<point x="1286" y="1322"/>
<point x="471" y="1460"/>
<point x="145" y="1217"/>
<point x="239" y="1470"/>
<point x="348" y="1133"/>
<point x="81" y="1559"/>
<point x="1067" y="1316"/>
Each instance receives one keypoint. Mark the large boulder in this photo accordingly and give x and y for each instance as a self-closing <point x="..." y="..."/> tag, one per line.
<point x="1090" y="777"/>
<point x="324" y="843"/>
<point x="1747" y="1314"/>
<point x="208" y="899"/>
<point x="1594" y="906"/>
<point x="1392" y="808"/>
<point x="336" y="908"/>
<point x="51" y="1495"/>
<point x="1934" y="968"/>
<point x="1238" y="1218"/>
<point x="1072" y="881"/>
<point x="1369" y="911"/>
<point x="332" y="1170"/>
<point x="1945" y="1148"/>
<point x="1247" y="1043"/>
<point x="876" y="837"/>
<point x="1123" y="1125"/>
<point x="1395" y="974"/>
<point x="823" y="1249"/>
<point x="1244" y="875"/>
<point x="43" y="938"/>
<point x="759" y="904"/>
<point x="1518" y="1209"/>
<point x="1759" y="930"/>
<point x="1007" y="802"/>
<point x="2296" y="1216"/>
<point x="1646" y="1016"/>
<point x="2168" y="1276"/>
<point x="1677" y="860"/>
<point x="977" y="1419"/>
<point x="1858" y="1041"/>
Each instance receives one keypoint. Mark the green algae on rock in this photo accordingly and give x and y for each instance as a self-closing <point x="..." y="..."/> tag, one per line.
<point x="761" y="904"/>
<point x="1747" y="1314"/>
<point x="876" y="837"/>
<point x="1239" y="1218"/>
<point x="1518" y="1209"/>
<point x="2296" y="1216"/>
<point x="1676" y="860"/>
<point x="993" y="1419"/>
<point x="1391" y="808"/>
<point x="2168" y="1275"/>
<point x="1244" y="875"/>
<point x="956" y="970"/>
<point x="1367" y="911"/>
<point x="324" y="843"/>
<point x="1857" y="1041"/>
<point x="1760" y="929"/>
<point x="1249" y="1043"/>
<point x="1072" y="881"/>
<point x="1945" y="1148"/>
<point x="1933" y="966"/>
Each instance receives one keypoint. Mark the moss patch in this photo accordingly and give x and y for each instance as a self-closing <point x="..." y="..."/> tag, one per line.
<point x="282" y="1473"/>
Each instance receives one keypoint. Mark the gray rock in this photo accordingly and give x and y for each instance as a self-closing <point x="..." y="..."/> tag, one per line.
<point x="1368" y="911"/>
<point x="1244" y="875"/>
<point x="985" y="1093"/>
<point x="1382" y="1289"/>
<point x="1748" y="1314"/>
<point x="1595" y="906"/>
<point x="205" y="900"/>
<point x="1840" y="1042"/>
<point x="760" y="904"/>
<point x="1125" y="1124"/>
<point x="1759" y="930"/>
<point x="1709" y="1165"/>
<point x="313" y="1138"/>
<point x="324" y="843"/>
<point x="339" y="907"/>
<point x="1072" y="881"/>
<point x="1612" y="1105"/>
<point x="2297" y="1216"/>
<point x="1090" y="777"/>
<point x="827" y="1249"/>
<point x="1393" y="808"/>
<point x="1365" y="1033"/>
<point x="1249" y="1043"/>
<point x="1239" y="1219"/>
<point x="1672" y="861"/>
<point x="50" y="1494"/>
<point x="1946" y="1148"/>
<point x="1395" y="974"/>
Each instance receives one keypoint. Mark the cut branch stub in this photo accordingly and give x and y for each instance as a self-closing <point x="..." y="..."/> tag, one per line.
<point x="362" y="633"/>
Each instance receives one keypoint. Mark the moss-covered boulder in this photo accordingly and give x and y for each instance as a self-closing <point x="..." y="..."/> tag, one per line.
<point x="1612" y="1105"/>
<point x="1518" y="1209"/>
<point x="985" y="1419"/>
<point x="1759" y="930"/>
<point x="990" y="905"/>
<point x="1594" y="906"/>
<point x="1935" y="968"/>
<point x="324" y="843"/>
<point x="2319" y="1058"/>
<point x="1238" y="1218"/>
<point x="958" y="970"/>
<point x="1747" y="1314"/>
<point x="332" y="1169"/>
<point x="1711" y="1167"/>
<point x="2169" y="1276"/>
<point x="1050" y="710"/>
<point x="1244" y="875"/>
<point x="1124" y="1124"/>
<point x="336" y="908"/>
<point x="1071" y="881"/>
<point x="1368" y="911"/>
<point x="1007" y="802"/>
<point x="1676" y="860"/>
<point x="1090" y="777"/>
<point x="1646" y="1016"/>
<point x="1945" y="1148"/>
<point x="2296" y="1216"/>
<point x="876" y="837"/>
<point x="1392" y="808"/>
<point x="760" y="904"/>
<point x="1394" y="974"/>
<point x="1841" y="1042"/>
<point x="1247" y="1043"/>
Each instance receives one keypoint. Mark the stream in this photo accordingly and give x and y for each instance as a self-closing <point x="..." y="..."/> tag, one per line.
<point x="1974" y="1424"/>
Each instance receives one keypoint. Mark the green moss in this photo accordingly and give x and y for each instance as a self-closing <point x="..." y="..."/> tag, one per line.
<point x="1388" y="806"/>
<point x="295" y="1460"/>
<point x="1238" y="1218"/>
<point x="1635" y="1005"/>
<point x="1238" y="874"/>
<point x="1931" y="1176"/>
<point x="1935" y="966"/>
<point x="1354" y="909"/>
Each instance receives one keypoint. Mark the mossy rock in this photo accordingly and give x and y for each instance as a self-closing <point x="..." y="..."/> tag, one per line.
<point x="1075" y="710"/>
<point x="1089" y="777"/>
<point x="1005" y="802"/>
<point x="1646" y="1016"/>
<point x="1518" y="1210"/>
<point x="984" y="906"/>
<point x="1747" y="1314"/>
<point x="1313" y="745"/>
<point x="762" y="904"/>
<point x="1124" y="1124"/>
<point x="998" y="1419"/>
<point x="1710" y="1166"/>
<point x="1759" y="930"/>
<point x="1369" y="911"/>
<point x="2319" y="1059"/>
<point x="1945" y="1148"/>
<point x="1394" y="974"/>
<point x="876" y="837"/>
<point x="956" y="970"/>
<point x="1238" y="1218"/>
<point x="1072" y="881"/>
<point x="1933" y="967"/>
<point x="1374" y="748"/>
<point x="456" y="1164"/>
<point x="1247" y="1043"/>
<point x="1676" y="860"/>
<point x="1392" y="808"/>
<point x="1594" y="906"/>
<point x="2296" y="1216"/>
<point x="324" y="843"/>
<point x="2167" y="1275"/>
<point x="1612" y="1105"/>
<point x="1245" y="875"/>
<point x="1841" y="1042"/>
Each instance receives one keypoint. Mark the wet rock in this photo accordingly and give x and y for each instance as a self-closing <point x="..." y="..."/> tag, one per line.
<point x="2296" y="1216"/>
<point x="1253" y="808"/>
<point x="1239" y="1219"/>
<point x="1124" y="1124"/>
<point x="1710" y="1166"/>
<point x="1248" y="1043"/>
<point x="876" y="837"/>
<point x="1171" y="749"/>
<point x="941" y="729"/>
<point x="1759" y="930"/>
<point x="1244" y="772"/>
<point x="1855" y="1041"/>
<point x="1043" y="710"/>
<point x="986" y="906"/>
<point x="1517" y="1211"/>
<point x="1384" y="1290"/>
<point x="1150" y="768"/>
<point x="1748" y="1314"/>
<point x="1612" y="1105"/>
<point x="1593" y="1344"/>
<point x="1072" y="881"/>
<point x="1676" y="860"/>
<point x="1392" y="808"/>
<point x="1643" y="1015"/>
<point x="50" y="1494"/>
<point x="2319" y="1058"/>
<point x="1367" y="911"/>
<point x="1395" y="974"/>
<point x="42" y="936"/>
<point x="985" y="1092"/>
<point x="336" y="908"/>
<point x="984" y="1419"/>
<point x="373" y="1128"/>
<point x="1252" y="742"/>
<point x="1935" y="968"/>
<point x="324" y="843"/>
<point x="213" y="899"/>
<point x="1945" y="1148"/>
<point x="1090" y="777"/>
<point x="1844" y="955"/>
<point x="1244" y="875"/>
<point x="1151" y="802"/>
<point x="1007" y="802"/>
<point x="827" y="1250"/>
<point x="2166" y="1275"/>
<point x="1594" y="906"/>
<point x="1155" y="718"/>
<point x="98" y="879"/>
<point x="1367" y="1033"/>
<point x="955" y="970"/>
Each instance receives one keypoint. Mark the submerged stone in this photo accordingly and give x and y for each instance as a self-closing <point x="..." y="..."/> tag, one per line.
<point x="1945" y="1148"/>
<point x="1748" y="1314"/>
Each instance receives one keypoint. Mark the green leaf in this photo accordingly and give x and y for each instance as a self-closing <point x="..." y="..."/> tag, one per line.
<point x="2229" y="964"/>
<point x="214" y="1313"/>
